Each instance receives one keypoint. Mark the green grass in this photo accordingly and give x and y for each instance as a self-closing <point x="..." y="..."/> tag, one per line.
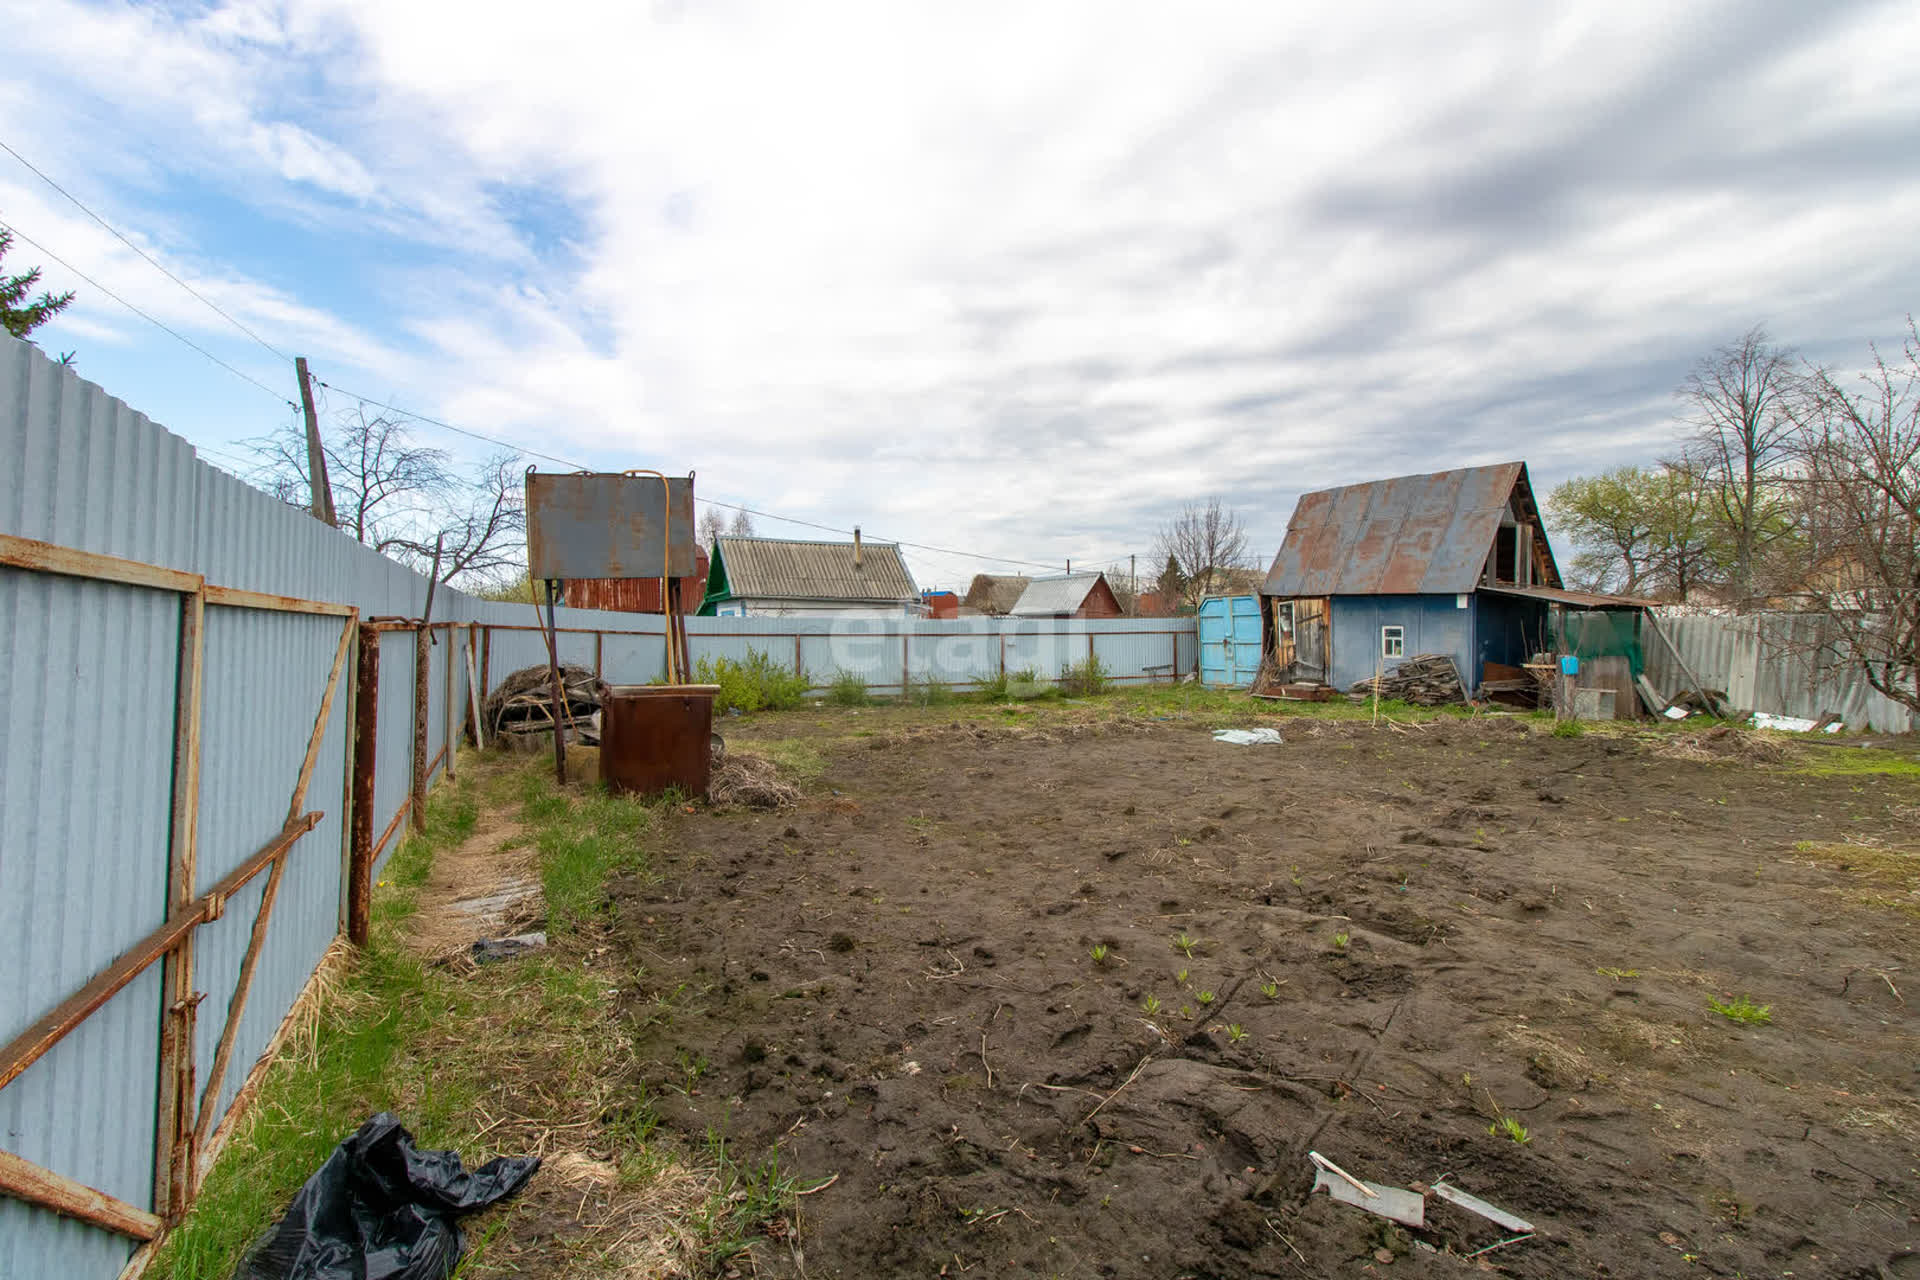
<point x="1850" y="762"/>
<point x="441" y="1049"/>
<point x="582" y="839"/>
<point x="1568" y="729"/>
<point x="1742" y="1010"/>
<point x="1509" y="1128"/>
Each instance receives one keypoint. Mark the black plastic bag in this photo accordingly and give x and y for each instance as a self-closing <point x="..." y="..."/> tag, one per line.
<point x="380" y="1210"/>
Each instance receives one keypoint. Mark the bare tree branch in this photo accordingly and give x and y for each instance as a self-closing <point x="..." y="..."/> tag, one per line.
<point x="399" y="497"/>
<point x="1202" y="542"/>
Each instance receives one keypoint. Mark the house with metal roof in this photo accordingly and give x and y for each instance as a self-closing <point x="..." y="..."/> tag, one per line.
<point x="1070" y="595"/>
<point x="1452" y="562"/>
<point x="778" y="577"/>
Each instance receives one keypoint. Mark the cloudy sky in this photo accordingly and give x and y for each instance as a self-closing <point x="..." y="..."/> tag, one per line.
<point x="1012" y="278"/>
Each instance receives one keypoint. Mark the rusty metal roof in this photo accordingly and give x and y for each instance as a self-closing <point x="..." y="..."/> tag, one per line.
<point x="1412" y="535"/>
<point x="778" y="569"/>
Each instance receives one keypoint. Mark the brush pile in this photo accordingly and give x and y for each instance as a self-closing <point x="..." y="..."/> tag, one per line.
<point x="1723" y="742"/>
<point x="1426" y="680"/>
<point x="751" y="782"/>
<point x="523" y="705"/>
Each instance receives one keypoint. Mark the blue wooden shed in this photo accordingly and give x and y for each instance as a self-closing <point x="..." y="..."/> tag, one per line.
<point x="1451" y="562"/>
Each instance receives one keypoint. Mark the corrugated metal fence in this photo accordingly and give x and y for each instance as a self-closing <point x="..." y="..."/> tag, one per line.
<point x="1770" y="662"/>
<point x="195" y="676"/>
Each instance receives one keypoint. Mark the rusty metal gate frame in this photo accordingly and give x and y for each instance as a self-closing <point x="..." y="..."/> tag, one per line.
<point x="180" y="1132"/>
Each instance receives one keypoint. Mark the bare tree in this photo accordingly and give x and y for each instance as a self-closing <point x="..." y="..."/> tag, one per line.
<point x="1859" y="454"/>
<point x="1736" y="402"/>
<point x="1125" y="591"/>
<point x="400" y="497"/>
<point x="712" y="525"/>
<point x="1203" y="542"/>
<point x="742" y="526"/>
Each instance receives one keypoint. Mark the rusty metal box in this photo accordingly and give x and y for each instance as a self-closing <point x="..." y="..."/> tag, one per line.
<point x="655" y="736"/>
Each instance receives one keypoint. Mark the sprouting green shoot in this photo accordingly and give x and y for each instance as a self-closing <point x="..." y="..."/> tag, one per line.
<point x="1185" y="945"/>
<point x="1181" y="977"/>
<point x="1099" y="953"/>
<point x="1511" y="1129"/>
<point x="1204" y="997"/>
<point x="1151" y="1004"/>
<point x="1340" y="940"/>
<point x="1741" y="1009"/>
<point x="1235" y="1033"/>
<point x="1270" y="989"/>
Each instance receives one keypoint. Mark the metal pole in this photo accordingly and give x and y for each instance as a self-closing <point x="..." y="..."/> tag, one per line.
<point x="553" y="675"/>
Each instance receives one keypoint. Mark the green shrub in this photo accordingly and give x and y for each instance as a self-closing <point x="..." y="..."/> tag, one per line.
<point x="996" y="689"/>
<point x="1568" y="729"/>
<point x="926" y="693"/>
<point x="847" y="690"/>
<point x="757" y="684"/>
<point x="1084" y="679"/>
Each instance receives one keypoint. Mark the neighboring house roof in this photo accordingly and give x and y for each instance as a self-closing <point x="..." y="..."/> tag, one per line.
<point x="995" y="592"/>
<point x="1050" y="597"/>
<point x="1411" y="535"/>
<point x="778" y="569"/>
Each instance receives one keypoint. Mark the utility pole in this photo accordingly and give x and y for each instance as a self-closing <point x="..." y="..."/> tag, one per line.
<point x="317" y="481"/>
<point x="1133" y="584"/>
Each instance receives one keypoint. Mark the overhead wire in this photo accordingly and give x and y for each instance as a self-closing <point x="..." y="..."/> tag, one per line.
<point x="115" y="233"/>
<point x="712" y="502"/>
<point x="367" y="399"/>
<point x="247" y="377"/>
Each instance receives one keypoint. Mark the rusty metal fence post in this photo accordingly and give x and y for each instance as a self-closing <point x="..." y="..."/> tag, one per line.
<point x="366" y="737"/>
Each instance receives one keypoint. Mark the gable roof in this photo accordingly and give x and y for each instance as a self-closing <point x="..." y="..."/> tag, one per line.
<point x="779" y="569"/>
<point x="1046" y="597"/>
<point x="996" y="592"/>
<point x="1413" y="535"/>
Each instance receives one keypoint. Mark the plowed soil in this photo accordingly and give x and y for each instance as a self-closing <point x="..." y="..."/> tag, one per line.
<point x="1406" y="934"/>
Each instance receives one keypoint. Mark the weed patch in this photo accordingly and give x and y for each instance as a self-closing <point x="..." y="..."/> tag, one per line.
<point x="758" y="683"/>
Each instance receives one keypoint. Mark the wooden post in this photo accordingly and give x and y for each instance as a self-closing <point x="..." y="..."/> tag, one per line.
<point x="173" y="1147"/>
<point x="599" y="640"/>
<point x="473" y="696"/>
<point x="366" y="735"/>
<point x="321" y="490"/>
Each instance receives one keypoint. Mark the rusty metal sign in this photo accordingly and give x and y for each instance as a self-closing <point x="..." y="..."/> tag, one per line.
<point x="609" y="525"/>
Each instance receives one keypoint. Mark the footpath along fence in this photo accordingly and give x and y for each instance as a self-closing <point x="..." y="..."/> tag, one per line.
<point x="220" y="713"/>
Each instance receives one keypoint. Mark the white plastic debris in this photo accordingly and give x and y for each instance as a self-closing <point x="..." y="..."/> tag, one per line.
<point x="1791" y="724"/>
<point x="1675" y="713"/>
<point x="1474" y="1204"/>
<point x="1246" y="737"/>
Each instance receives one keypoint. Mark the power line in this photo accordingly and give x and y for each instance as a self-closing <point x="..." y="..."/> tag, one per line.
<point x="712" y="502"/>
<point x="114" y="231"/>
<point x="143" y="315"/>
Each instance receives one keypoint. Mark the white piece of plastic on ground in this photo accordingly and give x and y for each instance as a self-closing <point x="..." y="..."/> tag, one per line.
<point x="1246" y="737"/>
<point x="1789" y="724"/>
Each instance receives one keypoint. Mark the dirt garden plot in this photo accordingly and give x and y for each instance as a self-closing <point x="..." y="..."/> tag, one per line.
<point x="1373" y="943"/>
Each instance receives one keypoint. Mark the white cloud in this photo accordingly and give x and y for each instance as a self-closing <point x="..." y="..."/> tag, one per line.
<point x="1018" y="277"/>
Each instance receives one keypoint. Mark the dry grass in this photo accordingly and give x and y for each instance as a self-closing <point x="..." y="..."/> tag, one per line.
<point x="752" y="782"/>
<point x="1723" y="742"/>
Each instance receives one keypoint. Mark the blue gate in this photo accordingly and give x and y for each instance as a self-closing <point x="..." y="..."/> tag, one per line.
<point x="1229" y="629"/>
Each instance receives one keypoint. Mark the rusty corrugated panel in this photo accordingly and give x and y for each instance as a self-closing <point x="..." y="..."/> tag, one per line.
<point x="636" y="595"/>
<point x="1421" y="534"/>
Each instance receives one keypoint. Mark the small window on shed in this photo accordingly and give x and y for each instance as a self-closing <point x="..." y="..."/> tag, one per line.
<point x="1393" y="642"/>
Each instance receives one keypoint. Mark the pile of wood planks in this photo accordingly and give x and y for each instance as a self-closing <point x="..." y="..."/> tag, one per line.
<point x="1426" y="680"/>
